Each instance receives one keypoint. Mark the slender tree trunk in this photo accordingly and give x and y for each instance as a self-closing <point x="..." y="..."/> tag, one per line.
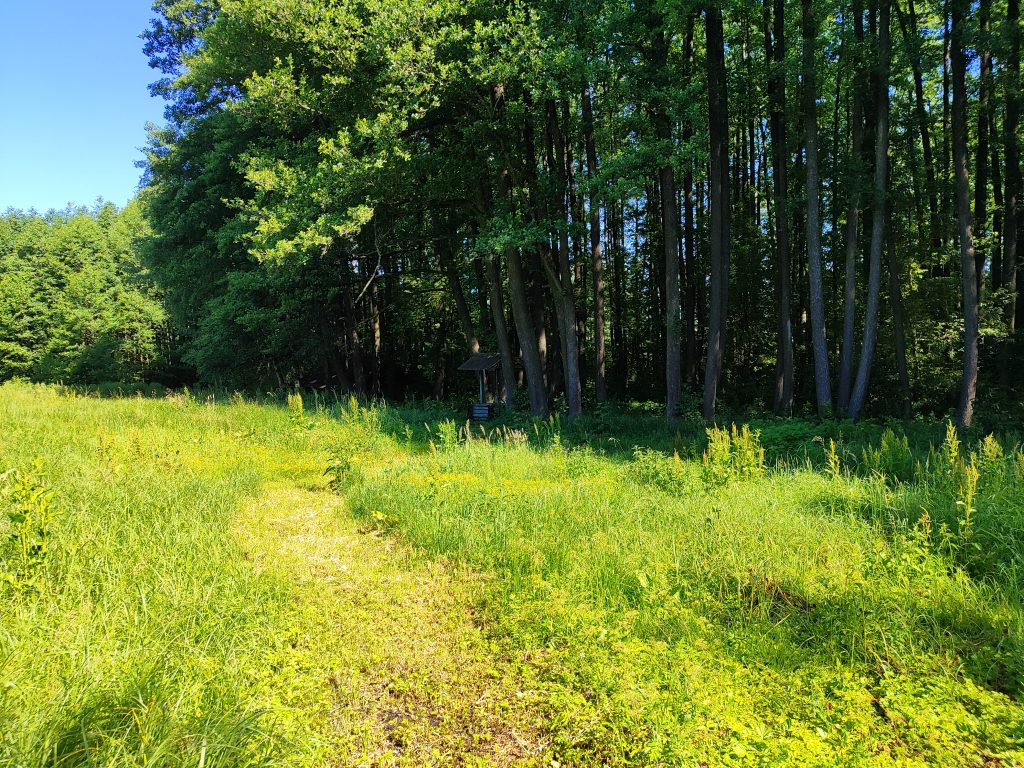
<point x="455" y="287"/>
<point x="580" y="263"/>
<point x="689" y="246"/>
<point x="618" y="301"/>
<point x="561" y="280"/>
<point x="718" y="125"/>
<point x="355" y="355"/>
<point x="482" y="291"/>
<point x="537" y="277"/>
<point x="969" y="281"/>
<point x="834" y="185"/>
<point x="819" y="344"/>
<point x="441" y="370"/>
<point x="1012" y="194"/>
<point x="912" y="43"/>
<point x="946" y="128"/>
<point x="867" y="354"/>
<point x="996" y="269"/>
<point x="775" y="52"/>
<point x="847" y="350"/>
<point x="596" y="254"/>
<point x="533" y="367"/>
<point x="497" y="302"/>
<point x="375" y="331"/>
<point x="690" y="267"/>
<point x="982" y="150"/>
<point x="670" y="251"/>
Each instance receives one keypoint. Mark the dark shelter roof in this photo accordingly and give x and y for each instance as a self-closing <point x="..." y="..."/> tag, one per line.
<point x="481" y="361"/>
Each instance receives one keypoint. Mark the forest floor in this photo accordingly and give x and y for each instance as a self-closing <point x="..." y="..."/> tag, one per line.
<point x="211" y="581"/>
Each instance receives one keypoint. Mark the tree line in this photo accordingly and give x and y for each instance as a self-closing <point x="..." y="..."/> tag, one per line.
<point x="809" y="205"/>
<point x="77" y="302"/>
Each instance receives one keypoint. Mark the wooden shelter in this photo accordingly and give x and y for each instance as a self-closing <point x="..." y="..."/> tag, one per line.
<point x="481" y="362"/>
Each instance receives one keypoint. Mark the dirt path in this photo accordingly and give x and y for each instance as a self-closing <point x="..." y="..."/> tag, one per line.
<point x="384" y="665"/>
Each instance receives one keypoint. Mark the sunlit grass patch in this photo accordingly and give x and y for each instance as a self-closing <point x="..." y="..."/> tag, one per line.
<point x="822" y="614"/>
<point x="505" y="595"/>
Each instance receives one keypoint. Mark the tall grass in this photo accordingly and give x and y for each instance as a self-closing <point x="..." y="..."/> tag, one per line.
<point x="785" y="593"/>
<point x="702" y="603"/>
<point x="142" y="642"/>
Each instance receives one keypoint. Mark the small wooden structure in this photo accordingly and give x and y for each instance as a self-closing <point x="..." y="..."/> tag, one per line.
<point x="481" y="362"/>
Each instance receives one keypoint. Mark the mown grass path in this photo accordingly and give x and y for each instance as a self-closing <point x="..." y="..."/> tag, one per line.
<point x="208" y="602"/>
<point x="208" y="599"/>
<point x="384" y="641"/>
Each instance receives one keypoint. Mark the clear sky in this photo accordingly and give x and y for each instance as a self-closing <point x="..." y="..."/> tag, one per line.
<point x="73" y="101"/>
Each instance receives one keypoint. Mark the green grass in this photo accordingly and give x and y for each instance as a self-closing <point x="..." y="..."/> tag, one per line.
<point x="722" y="613"/>
<point x="205" y="602"/>
<point x="589" y="594"/>
<point x="140" y="647"/>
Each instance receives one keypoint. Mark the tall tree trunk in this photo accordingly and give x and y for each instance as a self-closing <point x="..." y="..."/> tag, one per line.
<point x="673" y="323"/>
<point x="847" y="349"/>
<point x="996" y="269"/>
<point x="497" y="302"/>
<point x="619" y="300"/>
<point x="536" y="276"/>
<point x="775" y="52"/>
<point x="376" y="334"/>
<point x="355" y="354"/>
<point x="596" y="255"/>
<point x="969" y="281"/>
<point x="580" y="264"/>
<point x="690" y="268"/>
<point x="689" y="246"/>
<point x="867" y="353"/>
<point x="1012" y="194"/>
<point x="441" y="369"/>
<point x="497" y="307"/>
<point x="944" y="190"/>
<point x="455" y="287"/>
<point x="482" y="291"/>
<point x="560" y="280"/>
<point x="822" y="381"/>
<point x="982" y="149"/>
<point x="533" y="367"/>
<point x="718" y="129"/>
<point x="670" y="266"/>
<point x="912" y="43"/>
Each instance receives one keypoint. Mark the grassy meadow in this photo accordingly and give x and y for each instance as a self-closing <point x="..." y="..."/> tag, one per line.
<point x="210" y="581"/>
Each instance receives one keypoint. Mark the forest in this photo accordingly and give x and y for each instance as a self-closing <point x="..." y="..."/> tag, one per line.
<point x="751" y="492"/>
<point x="808" y="207"/>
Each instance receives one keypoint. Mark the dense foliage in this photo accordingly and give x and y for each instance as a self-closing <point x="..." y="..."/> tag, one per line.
<point x="76" y="301"/>
<point x="774" y="203"/>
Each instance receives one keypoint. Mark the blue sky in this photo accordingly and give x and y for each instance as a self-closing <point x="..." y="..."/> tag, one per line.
<point x="73" y="101"/>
